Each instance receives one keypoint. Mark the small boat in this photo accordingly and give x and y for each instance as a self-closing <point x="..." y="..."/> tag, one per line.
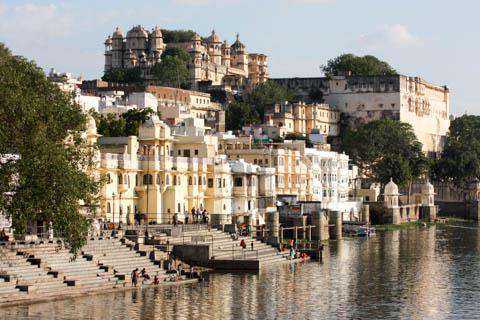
<point x="365" y="231"/>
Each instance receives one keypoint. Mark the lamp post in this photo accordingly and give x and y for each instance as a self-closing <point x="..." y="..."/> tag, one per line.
<point x="113" y="207"/>
<point x="120" y="211"/>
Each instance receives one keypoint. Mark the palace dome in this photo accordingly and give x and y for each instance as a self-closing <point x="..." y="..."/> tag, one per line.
<point x="427" y="188"/>
<point x="391" y="189"/>
<point x="238" y="45"/>
<point x="91" y="125"/>
<point x="214" y="38"/>
<point x="117" y="33"/>
<point x="156" y="33"/>
<point x="137" y="32"/>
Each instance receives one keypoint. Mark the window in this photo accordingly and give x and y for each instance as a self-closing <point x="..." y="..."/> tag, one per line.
<point x="186" y="153"/>
<point x="210" y="183"/>
<point x="108" y="207"/>
<point x="109" y="178"/>
<point x="179" y="208"/>
<point x="167" y="178"/>
<point x="238" y="182"/>
<point x="147" y="179"/>
<point x="179" y="152"/>
<point x="120" y="179"/>
<point x="174" y="180"/>
<point x="224" y="183"/>
<point x="190" y="180"/>
<point x="158" y="179"/>
<point x="219" y="183"/>
<point x="196" y="152"/>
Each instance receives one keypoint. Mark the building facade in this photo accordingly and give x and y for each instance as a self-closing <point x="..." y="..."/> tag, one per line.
<point x="408" y="99"/>
<point x="212" y="60"/>
<point x="302" y="118"/>
<point x="166" y="172"/>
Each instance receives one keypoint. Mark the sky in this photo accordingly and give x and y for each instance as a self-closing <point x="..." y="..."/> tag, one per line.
<point x="437" y="40"/>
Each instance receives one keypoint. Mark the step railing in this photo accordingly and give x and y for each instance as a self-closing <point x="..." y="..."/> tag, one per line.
<point x="244" y="252"/>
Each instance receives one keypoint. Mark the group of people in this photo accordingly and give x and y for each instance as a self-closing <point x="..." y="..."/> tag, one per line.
<point x="143" y="274"/>
<point x="198" y="216"/>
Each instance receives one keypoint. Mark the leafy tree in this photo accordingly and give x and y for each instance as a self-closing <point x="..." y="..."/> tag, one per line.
<point x="49" y="177"/>
<point x="358" y="66"/>
<point x="316" y="95"/>
<point x="385" y="149"/>
<point x="266" y="95"/>
<point x="299" y="136"/>
<point x="239" y="114"/>
<point x="460" y="159"/>
<point x="180" y="53"/>
<point x="125" y="125"/>
<point x="177" y="36"/>
<point x="123" y="75"/>
<point x="171" y="72"/>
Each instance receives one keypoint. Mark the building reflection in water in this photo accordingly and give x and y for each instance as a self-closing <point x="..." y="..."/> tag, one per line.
<point x="419" y="273"/>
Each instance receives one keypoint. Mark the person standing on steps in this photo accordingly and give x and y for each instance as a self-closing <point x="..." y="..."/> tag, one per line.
<point x="243" y="244"/>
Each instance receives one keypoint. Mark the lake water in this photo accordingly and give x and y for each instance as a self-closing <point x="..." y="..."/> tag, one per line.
<point x="419" y="273"/>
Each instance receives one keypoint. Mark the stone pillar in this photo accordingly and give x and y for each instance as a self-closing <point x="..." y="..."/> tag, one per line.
<point x="320" y="221"/>
<point x="395" y="213"/>
<point x="272" y="223"/>
<point x="336" y="219"/>
<point x="366" y="213"/>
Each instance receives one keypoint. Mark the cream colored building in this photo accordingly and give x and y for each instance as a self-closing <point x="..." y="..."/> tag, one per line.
<point x="212" y="60"/>
<point x="409" y="99"/>
<point x="303" y="118"/>
<point x="164" y="172"/>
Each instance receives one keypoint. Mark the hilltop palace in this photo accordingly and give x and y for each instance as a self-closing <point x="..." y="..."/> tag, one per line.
<point x="212" y="61"/>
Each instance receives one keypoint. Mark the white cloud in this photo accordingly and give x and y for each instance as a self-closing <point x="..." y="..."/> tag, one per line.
<point x="396" y="36"/>
<point x="32" y="23"/>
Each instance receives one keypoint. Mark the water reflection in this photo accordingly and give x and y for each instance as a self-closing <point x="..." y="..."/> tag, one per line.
<point x="431" y="273"/>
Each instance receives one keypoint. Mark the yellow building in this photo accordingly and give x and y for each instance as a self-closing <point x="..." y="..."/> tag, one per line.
<point x="165" y="172"/>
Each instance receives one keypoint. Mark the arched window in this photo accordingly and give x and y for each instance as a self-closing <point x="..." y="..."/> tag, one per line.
<point x="179" y="207"/>
<point x="108" y="207"/>
<point x="174" y="180"/>
<point x="167" y="180"/>
<point x="158" y="179"/>
<point x="190" y="180"/>
<point x="109" y="178"/>
<point x="120" y="179"/>
<point x="147" y="179"/>
<point x="136" y="179"/>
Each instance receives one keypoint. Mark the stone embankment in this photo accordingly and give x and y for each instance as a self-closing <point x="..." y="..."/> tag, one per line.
<point x="46" y="270"/>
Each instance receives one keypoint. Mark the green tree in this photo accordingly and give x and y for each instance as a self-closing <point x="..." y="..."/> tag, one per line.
<point x="460" y="159"/>
<point x="123" y="75"/>
<point x="239" y="114"/>
<point x="180" y="53"/>
<point x="126" y="125"/>
<point x="171" y="72"/>
<point x="358" y="66"/>
<point x="385" y="149"/>
<point x="299" y="136"/>
<point x="177" y="36"/>
<point x="50" y="178"/>
<point x="267" y="94"/>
